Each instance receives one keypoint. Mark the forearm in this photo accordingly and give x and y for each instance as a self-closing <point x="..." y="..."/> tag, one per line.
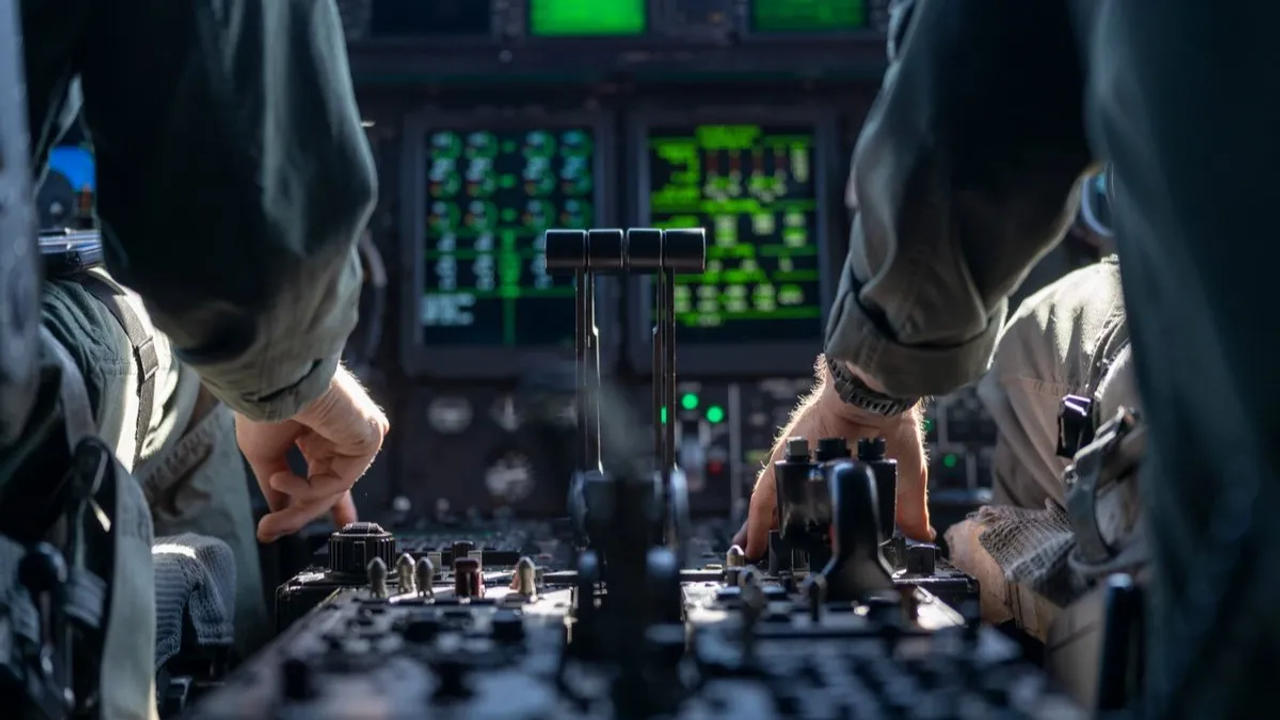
<point x="964" y="172"/>
<point x="233" y="185"/>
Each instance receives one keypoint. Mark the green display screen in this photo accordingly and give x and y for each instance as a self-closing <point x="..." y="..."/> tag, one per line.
<point x="808" y="15"/>
<point x="570" y="18"/>
<point x="491" y="195"/>
<point x="753" y="188"/>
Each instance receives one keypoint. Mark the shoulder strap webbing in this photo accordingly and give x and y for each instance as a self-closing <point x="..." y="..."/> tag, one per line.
<point x="144" y="349"/>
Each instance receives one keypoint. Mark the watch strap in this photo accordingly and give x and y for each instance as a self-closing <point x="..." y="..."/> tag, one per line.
<point x="855" y="392"/>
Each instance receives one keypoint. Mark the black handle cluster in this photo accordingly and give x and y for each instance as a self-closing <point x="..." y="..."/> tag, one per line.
<point x="613" y="250"/>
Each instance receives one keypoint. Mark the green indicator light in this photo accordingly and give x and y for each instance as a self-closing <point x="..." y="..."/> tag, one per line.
<point x="950" y="460"/>
<point x="689" y="401"/>
<point x="928" y="425"/>
<point x="715" y="414"/>
<point x="662" y="415"/>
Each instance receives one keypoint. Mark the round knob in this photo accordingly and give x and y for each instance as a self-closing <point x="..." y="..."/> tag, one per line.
<point x="870" y="449"/>
<point x="798" y="449"/>
<point x="832" y="448"/>
<point x="355" y="545"/>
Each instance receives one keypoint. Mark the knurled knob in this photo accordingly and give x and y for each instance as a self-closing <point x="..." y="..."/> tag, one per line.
<point x="355" y="545"/>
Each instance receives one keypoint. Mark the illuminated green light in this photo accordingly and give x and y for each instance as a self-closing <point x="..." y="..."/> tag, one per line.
<point x="689" y="401"/>
<point x="808" y="15"/>
<point x="928" y="425"/>
<point x="715" y="414"/>
<point x="662" y="415"/>
<point x="950" y="460"/>
<point x="556" y="18"/>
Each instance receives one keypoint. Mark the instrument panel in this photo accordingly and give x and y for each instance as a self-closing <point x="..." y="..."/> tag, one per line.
<point x="495" y="120"/>
<point x="487" y="334"/>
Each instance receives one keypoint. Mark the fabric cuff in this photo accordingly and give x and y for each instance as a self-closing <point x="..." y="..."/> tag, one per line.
<point x="285" y="403"/>
<point x="907" y="370"/>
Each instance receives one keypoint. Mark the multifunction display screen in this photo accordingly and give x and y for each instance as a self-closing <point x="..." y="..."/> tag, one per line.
<point x="808" y="15"/>
<point x="753" y="188"/>
<point x="490" y="195"/>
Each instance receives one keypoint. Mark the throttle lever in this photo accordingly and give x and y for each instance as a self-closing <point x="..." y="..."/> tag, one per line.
<point x="856" y="566"/>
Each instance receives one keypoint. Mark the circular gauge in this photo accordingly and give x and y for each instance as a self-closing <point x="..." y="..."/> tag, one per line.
<point x="510" y="478"/>
<point x="449" y="415"/>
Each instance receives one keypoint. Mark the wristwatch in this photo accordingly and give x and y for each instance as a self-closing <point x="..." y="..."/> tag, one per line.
<point x="856" y="393"/>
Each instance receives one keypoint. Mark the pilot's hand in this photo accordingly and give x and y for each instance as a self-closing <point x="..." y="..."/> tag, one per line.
<point x="824" y="414"/>
<point x="339" y="433"/>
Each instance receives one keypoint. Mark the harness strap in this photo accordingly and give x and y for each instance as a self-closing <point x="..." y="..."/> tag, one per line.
<point x="144" y="349"/>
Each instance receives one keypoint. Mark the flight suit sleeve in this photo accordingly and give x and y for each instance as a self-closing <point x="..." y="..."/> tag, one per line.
<point x="233" y="180"/>
<point x="964" y="172"/>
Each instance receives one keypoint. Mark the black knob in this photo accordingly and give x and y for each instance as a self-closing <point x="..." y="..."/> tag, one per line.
<point x="684" y="250"/>
<point x="606" y="250"/>
<point x="461" y="549"/>
<point x="565" y="250"/>
<point x="872" y="452"/>
<point x="295" y="675"/>
<point x="779" y="553"/>
<point x="832" y="448"/>
<point x="871" y="449"/>
<point x="791" y="484"/>
<point x="815" y="595"/>
<point x="352" y="548"/>
<point x="507" y="626"/>
<point x="922" y="559"/>
<point x="422" y="629"/>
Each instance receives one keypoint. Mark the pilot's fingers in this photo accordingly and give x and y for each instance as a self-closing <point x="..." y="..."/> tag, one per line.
<point x="320" y="484"/>
<point x="913" y="504"/>
<point x="291" y="519"/>
<point x="344" y="511"/>
<point x="905" y="442"/>
<point x="761" y="516"/>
